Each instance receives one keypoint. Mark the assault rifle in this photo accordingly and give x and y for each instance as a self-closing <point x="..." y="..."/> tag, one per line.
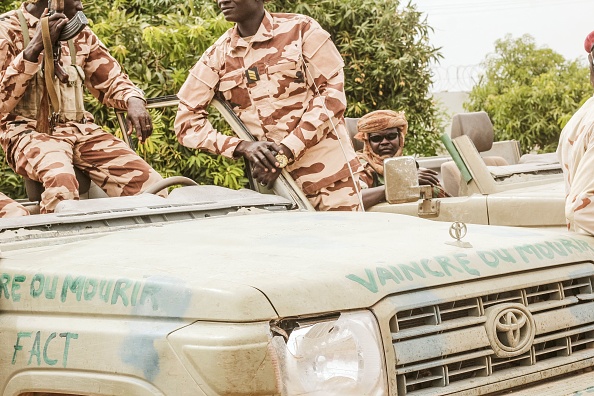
<point x="72" y="28"/>
<point x="74" y="25"/>
<point x="52" y="66"/>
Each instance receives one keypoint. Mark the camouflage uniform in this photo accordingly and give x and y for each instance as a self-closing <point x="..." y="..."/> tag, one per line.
<point x="11" y="208"/>
<point x="109" y="162"/>
<point x="272" y="92"/>
<point x="576" y="155"/>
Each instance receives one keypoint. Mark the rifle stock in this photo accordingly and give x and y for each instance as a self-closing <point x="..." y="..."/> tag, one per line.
<point x="55" y="5"/>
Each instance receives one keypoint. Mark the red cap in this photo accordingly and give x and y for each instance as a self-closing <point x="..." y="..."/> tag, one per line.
<point x="589" y="42"/>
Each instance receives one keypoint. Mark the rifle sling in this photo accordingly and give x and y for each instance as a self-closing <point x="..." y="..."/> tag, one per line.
<point x="24" y="28"/>
<point x="48" y="55"/>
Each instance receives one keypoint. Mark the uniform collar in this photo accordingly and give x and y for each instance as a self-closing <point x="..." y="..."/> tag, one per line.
<point x="265" y="32"/>
<point x="30" y="18"/>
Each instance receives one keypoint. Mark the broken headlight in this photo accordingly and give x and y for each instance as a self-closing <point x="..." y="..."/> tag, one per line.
<point x="337" y="357"/>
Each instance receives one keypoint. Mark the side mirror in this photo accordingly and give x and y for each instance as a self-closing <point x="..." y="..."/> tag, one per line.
<point x="402" y="185"/>
<point x="401" y="180"/>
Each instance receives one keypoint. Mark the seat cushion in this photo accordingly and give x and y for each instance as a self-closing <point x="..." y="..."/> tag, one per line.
<point x="546" y="158"/>
<point x="477" y="126"/>
<point x="351" y="126"/>
<point x="34" y="188"/>
<point x="450" y="174"/>
<point x="495" y="161"/>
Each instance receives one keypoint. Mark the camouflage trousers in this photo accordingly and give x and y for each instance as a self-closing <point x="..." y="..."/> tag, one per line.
<point x="340" y="195"/>
<point x="11" y="208"/>
<point x="50" y="159"/>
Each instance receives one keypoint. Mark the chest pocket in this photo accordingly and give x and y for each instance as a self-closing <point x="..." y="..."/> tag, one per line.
<point x="286" y="77"/>
<point x="233" y="88"/>
<point x="27" y="106"/>
<point x="71" y="94"/>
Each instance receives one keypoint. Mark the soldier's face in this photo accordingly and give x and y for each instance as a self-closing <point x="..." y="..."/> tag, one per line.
<point x="240" y="10"/>
<point x="385" y="142"/>
<point x="71" y="7"/>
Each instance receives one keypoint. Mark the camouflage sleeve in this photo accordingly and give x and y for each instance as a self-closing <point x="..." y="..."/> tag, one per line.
<point x="579" y="203"/>
<point x="14" y="75"/>
<point x="104" y="77"/>
<point x="191" y="124"/>
<point x="11" y="208"/>
<point x="324" y="67"/>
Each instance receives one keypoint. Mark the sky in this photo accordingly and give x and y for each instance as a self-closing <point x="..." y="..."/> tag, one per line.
<point x="467" y="30"/>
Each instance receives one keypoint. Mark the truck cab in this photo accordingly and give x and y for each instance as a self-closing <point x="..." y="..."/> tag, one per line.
<point x="213" y="291"/>
<point x="218" y="292"/>
<point x="489" y="182"/>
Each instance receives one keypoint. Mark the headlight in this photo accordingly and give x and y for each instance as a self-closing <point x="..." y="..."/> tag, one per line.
<point x="339" y="357"/>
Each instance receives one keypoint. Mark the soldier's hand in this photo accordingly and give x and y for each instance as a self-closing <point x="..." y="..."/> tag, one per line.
<point x="282" y="149"/>
<point x="57" y="21"/>
<point x="138" y="119"/>
<point x="259" y="154"/>
<point x="264" y="177"/>
<point x="427" y="177"/>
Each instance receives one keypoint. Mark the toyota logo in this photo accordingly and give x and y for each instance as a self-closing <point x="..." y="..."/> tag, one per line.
<point x="458" y="230"/>
<point x="510" y="329"/>
<point x="509" y="324"/>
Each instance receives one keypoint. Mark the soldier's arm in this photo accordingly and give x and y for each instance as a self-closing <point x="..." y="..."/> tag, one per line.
<point x="579" y="203"/>
<point x="104" y="77"/>
<point x="324" y="67"/>
<point x="191" y="124"/>
<point x="372" y="196"/>
<point x="15" y="74"/>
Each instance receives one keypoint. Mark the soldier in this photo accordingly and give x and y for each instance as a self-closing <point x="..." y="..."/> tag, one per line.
<point x="11" y="208"/>
<point x="47" y="152"/>
<point x="576" y="155"/>
<point x="284" y="78"/>
<point x="383" y="133"/>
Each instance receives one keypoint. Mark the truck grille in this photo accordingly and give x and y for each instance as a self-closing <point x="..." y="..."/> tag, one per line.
<point x="444" y="346"/>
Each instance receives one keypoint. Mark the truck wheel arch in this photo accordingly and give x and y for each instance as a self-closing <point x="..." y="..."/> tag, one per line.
<point x="54" y="382"/>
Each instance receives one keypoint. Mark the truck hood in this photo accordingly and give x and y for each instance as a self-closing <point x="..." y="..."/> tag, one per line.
<point x="258" y="267"/>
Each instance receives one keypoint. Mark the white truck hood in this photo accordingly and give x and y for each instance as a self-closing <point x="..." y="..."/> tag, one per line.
<point x="259" y="267"/>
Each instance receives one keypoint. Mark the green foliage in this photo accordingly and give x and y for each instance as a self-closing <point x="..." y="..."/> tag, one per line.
<point x="385" y="47"/>
<point x="157" y="43"/>
<point x="9" y="5"/>
<point x="529" y="92"/>
<point x="10" y="183"/>
<point x="387" y="53"/>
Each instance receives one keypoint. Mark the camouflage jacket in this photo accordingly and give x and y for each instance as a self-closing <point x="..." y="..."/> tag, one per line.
<point x="577" y="161"/>
<point x="103" y="75"/>
<point x="269" y="82"/>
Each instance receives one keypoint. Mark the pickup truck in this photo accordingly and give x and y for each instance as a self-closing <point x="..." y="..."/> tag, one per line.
<point x="523" y="190"/>
<point x="526" y="195"/>
<point x="212" y="291"/>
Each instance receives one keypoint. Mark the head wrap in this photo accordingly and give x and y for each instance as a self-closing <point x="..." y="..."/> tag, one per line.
<point x="589" y="42"/>
<point x="378" y="121"/>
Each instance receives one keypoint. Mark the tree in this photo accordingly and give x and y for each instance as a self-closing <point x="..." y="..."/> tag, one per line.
<point x="388" y="55"/>
<point x="385" y="47"/>
<point x="529" y="92"/>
